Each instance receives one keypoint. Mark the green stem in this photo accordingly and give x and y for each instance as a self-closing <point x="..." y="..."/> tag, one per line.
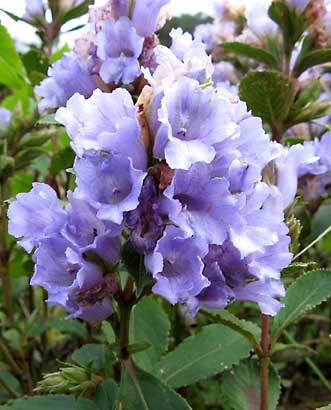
<point x="9" y="358"/>
<point x="265" y="362"/>
<point x="125" y="313"/>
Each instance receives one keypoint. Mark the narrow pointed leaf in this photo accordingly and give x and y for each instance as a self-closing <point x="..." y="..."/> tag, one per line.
<point x="245" y="50"/>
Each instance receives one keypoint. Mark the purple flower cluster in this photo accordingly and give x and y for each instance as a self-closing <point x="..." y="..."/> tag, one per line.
<point x="181" y="174"/>
<point x="120" y="42"/>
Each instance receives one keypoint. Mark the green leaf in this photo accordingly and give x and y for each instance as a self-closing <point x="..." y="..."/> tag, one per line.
<point x="149" y="323"/>
<point x="310" y="290"/>
<point x="325" y="408"/>
<point x="15" y="17"/>
<point x="321" y="220"/>
<point x="106" y="394"/>
<point x="317" y="109"/>
<point x="51" y="402"/>
<point x="134" y="264"/>
<point x="258" y="54"/>
<point x="211" y="351"/>
<point x="241" y="387"/>
<point x="247" y="329"/>
<point x="76" y="12"/>
<point x="25" y="157"/>
<point x="11" y="382"/>
<point x="9" y="53"/>
<point x="269" y="95"/>
<point x="291" y="23"/>
<point x="91" y="355"/>
<point x="315" y="57"/>
<point x="62" y="160"/>
<point x="142" y="391"/>
<point x="108" y="332"/>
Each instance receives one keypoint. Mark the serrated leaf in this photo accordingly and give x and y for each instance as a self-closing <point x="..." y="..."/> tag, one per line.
<point x="310" y="290"/>
<point x="142" y="391"/>
<point x="51" y="402"/>
<point x="149" y="323"/>
<point x="241" y="387"/>
<point x="311" y="59"/>
<point x="247" y="329"/>
<point x="269" y="95"/>
<point x="256" y="53"/>
<point x="211" y="351"/>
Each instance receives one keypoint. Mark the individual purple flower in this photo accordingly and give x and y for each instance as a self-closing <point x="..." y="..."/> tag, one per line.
<point x="145" y="16"/>
<point x="177" y="266"/>
<point x="146" y="221"/>
<point x="89" y="233"/>
<point x="190" y="122"/>
<point x="109" y="183"/>
<point x="119" y="47"/>
<point x="70" y="281"/>
<point x="34" y="215"/>
<point x="34" y="9"/>
<point x="66" y="77"/>
<point x="5" y="117"/>
<point x="263" y="293"/>
<point x="107" y="122"/>
<point x="200" y="204"/>
<point x="299" y="5"/>
<point x="186" y="57"/>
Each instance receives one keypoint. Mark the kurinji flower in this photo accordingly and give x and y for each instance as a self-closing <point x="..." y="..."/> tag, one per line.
<point x="187" y="57"/>
<point x="110" y="184"/>
<point x="299" y="5"/>
<point x="66" y="77"/>
<point x="34" y="9"/>
<point x="177" y="266"/>
<point x="145" y="15"/>
<point x="107" y="122"/>
<point x="200" y="204"/>
<point x="183" y="135"/>
<point x="119" y="46"/>
<point x="71" y="282"/>
<point x="5" y="117"/>
<point x="258" y="19"/>
<point x="34" y="215"/>
<point x="88" y="232"/>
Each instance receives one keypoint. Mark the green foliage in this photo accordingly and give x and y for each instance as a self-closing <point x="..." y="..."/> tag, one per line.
<point x="247" y="329"/>
<point x="241" y="387"/>
<point x="310" y="290"/>
<point x="246" y="50"/>
<point x="91" y="356"/>
<point x="62" y="160"/>
<point x="311" y="59"/>
<point x="142" y="391"/>
<point x="76" y="11"/>
<point x="211" y="351"/>
<point x="106" y="394"/>
<point x="269" y="95"/>
<point x="51" y="402"/>
<point x="149" y="323"/>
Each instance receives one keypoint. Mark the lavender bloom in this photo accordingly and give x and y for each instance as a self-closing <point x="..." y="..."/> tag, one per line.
<point x="119" y="46"/>
<point x="66" y="77"/>
<point x="258" y="19"/>
<point x="5" y="117"/>
<point x="34" y="9"/>
<point x="69" y="280"/>
<point x="89" y="233"/>
<point x="146" y="221"/>
<point x="177" y="266"/>
<point x="110" y="184"/>
<point x="185" y="58"/>
<point x="200" y="204"/>
<point x="34" y="215"/>
<point x="145" y="16"/>
<point x="299" y="5"/>
<point x="107" y="122"/>
<point x="183" y="137"/>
